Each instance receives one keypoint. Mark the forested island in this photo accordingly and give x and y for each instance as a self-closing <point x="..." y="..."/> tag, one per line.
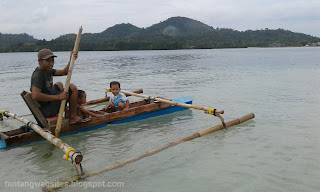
<point x="174" y="33"/>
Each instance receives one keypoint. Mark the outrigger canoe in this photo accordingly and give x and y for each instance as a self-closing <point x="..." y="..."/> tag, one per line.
<point x="137" y="111"/>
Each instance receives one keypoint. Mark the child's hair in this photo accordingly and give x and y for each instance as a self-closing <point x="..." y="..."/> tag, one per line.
<point x="114" y="83"/>
<point x="80" y="94"/>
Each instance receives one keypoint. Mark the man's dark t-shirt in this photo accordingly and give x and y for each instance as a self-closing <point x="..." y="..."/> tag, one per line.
<point x="44" y="81"/>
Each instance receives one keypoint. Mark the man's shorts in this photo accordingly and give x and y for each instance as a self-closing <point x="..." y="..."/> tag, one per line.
<point x="52" y="108"/>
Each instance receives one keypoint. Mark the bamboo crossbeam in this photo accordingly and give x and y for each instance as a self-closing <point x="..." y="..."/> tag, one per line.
<point x="105" y="99"/>
<point x="73" y="155"/>
<point x="205" y="109"/>
<point x="66" y="88"/>
<point x="149" y="153"/>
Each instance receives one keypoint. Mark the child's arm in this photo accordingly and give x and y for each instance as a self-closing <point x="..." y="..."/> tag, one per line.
<point x="83" y="110"/>
<point x="106" y="107"/>
<point x="127" y="105"/>
<point x="111" y="103"/>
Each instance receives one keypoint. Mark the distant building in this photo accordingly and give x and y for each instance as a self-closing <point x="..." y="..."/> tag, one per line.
<point x="29" y="44"/>
<point x="312" y="44"/>
<point x="275" y="45"/>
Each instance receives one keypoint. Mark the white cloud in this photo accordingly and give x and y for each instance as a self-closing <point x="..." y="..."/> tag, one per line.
<point x="49" y="19"/>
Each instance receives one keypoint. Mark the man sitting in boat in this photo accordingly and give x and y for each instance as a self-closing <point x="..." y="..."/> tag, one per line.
<point x="118" y="101"/>
<point x="48" y="95"/>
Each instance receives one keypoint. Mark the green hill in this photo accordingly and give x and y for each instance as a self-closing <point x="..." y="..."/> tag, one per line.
<point x="173" y="33"/>
<point x="8" y="40"/>
<point x="179" y="26"/>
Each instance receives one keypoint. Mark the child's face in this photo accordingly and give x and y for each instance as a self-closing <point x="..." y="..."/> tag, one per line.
<point x="115" y="89"/>
<point x="83" y="99"/>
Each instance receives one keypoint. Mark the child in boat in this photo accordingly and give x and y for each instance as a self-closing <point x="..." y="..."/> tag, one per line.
<point x="118" y="101"/>
<point x="81" y="111"/>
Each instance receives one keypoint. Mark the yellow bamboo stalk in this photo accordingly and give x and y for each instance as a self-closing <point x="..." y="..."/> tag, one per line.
<point x="149" y="153"/>
<point x="71" y="153"/>
<point x="66" y="88"/>
<point x="205" y="109"/>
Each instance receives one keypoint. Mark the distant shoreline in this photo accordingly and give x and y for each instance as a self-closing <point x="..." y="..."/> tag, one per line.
<point x="169" y="49"/>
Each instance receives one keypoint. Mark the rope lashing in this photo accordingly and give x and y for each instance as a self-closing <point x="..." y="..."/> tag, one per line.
<point x="67" y="153"/>
<point x="212" y="111"/>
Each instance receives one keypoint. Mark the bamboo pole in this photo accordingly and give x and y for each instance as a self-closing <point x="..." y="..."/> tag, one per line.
<point x="149" y="153"/>
<point x="66" y="88"/>
<point x="72" y="154"/>
<point x="105" y="99"/>
<point x="205" y="109"/>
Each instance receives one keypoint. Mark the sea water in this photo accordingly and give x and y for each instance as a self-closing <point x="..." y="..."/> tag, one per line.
<point x="279" y="150"/>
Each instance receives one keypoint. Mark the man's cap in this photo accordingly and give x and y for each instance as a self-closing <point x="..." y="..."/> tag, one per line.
<point x="45" y="54"/>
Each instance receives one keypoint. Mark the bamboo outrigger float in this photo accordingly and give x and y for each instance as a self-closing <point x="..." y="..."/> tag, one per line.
<point x="67" y="181"/>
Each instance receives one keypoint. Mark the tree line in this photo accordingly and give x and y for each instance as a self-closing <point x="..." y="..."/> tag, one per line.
<point x="174" y="33"/>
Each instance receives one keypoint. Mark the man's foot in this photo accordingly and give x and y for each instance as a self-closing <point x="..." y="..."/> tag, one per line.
<point x="79" y="121"/>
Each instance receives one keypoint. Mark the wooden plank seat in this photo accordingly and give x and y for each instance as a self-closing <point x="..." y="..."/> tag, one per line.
<point x="34" y="107"/>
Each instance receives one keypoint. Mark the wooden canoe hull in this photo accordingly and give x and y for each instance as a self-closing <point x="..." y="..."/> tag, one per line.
<point x="137" y="111"/>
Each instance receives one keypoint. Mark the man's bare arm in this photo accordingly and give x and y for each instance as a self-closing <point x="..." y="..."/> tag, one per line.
<point x="64" y="71"/>
<point x="38" y="96"/>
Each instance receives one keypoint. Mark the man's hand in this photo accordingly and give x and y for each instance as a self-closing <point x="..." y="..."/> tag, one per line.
<point x="75" y="54"/>
<point x="63" y="96"/>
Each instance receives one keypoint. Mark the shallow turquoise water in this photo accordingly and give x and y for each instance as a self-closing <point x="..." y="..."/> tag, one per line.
<point x="276" y="151"/>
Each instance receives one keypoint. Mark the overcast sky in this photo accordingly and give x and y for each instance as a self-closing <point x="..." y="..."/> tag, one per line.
<point x="48" y="19"/>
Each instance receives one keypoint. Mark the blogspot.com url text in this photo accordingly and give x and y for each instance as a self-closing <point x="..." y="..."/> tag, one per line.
<point x="82" y="184"/>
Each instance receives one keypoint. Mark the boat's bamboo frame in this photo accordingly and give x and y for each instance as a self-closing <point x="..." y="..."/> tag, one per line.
<point x="70" y="153"/>
<point x="211" y="111"/>
<point x="149" y="153"/>
<point x="105" y="99"/>
<point x="205" y="109"/>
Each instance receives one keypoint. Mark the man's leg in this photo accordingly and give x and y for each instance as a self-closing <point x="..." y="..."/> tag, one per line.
<point x="60" y="85"/>
<point x="73" y="104"/>
<point x="72" y="99"/>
